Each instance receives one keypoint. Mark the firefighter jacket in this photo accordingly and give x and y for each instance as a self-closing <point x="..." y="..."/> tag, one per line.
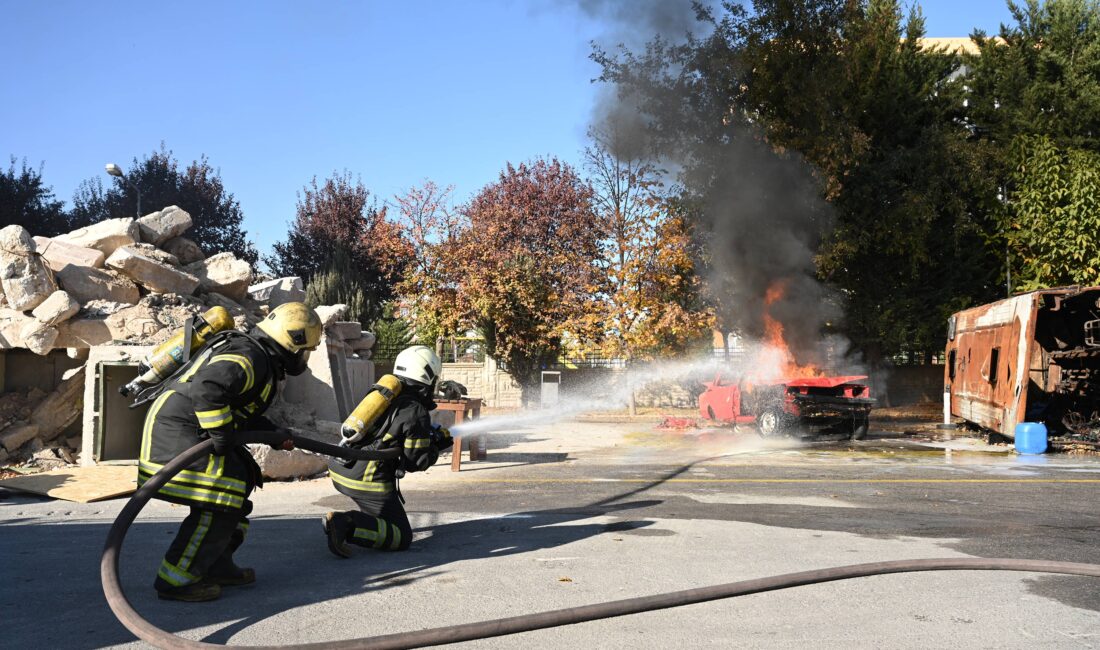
<point x="226" y="387"/>
<point x="405" y="425"/>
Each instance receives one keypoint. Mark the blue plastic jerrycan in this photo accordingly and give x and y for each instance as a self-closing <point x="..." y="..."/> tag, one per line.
<point x="1031" y="438"/>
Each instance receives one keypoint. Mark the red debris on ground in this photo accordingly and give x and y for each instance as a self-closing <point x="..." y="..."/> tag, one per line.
<point x="676" y="424"/>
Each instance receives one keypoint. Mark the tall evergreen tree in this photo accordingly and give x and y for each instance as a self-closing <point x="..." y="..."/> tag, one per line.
<point x="198" y="189"/>
<point x="26" y="200"/>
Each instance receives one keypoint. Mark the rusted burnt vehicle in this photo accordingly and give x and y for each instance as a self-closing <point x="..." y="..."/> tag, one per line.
<point x="1034" y="357"/>
<point x="790" y="406"/>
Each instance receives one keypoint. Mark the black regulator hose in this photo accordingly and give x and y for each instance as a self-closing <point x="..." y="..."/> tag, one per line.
<point x="143" y="629"/>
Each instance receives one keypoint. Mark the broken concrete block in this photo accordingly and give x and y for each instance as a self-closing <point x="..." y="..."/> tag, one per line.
<point x="38" y="337"/>
<point x="279" y="464"/>
<point x="106" y="236"/>
<point x="152" y="274"/>
<point x="184" y="249"/>
<point x="136" y="323"/>
<point x="82" y="333"/>
<point x="59" y="254"/>
<point x="277" y="292"/>
<point x="225" y="274"/>
<point x="60" y="408"/>
<point x="80" y="354"/>
<point x="23" y="275"/>
<point x="243" y="317"/>
<point x="364" y="342"/>
<point x="17" y="435"/>
<point x="87" y="285"/>
<point x="162" y="225"/>
<point x="59" y="307"/>
<point x="11" y="327"/>
<point x="154" y="253"/>
<point x="345" y="330"/>
<point x="329" y="314"/>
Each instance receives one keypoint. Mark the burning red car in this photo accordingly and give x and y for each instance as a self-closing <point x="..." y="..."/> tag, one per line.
<point x="840" y="403"/>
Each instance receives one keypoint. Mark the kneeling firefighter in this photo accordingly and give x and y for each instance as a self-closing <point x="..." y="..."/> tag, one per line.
<point x="225" y="387"/>
<point x="381" y="522"/>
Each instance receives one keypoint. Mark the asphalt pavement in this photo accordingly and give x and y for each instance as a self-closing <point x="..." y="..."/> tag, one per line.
<point x="579" y="512"/>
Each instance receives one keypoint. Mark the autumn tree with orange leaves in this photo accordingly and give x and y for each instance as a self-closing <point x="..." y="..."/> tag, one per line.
<point x="652" y="307"/>
<point x="429" y="289"/>
<point x="529" y="265"/>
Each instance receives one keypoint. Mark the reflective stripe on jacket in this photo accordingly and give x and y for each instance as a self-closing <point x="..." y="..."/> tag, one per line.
<point x="228" y="386"/>
<point x="405" y="425"/>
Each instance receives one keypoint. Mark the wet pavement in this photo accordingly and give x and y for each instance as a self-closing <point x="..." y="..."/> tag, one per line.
<point x="575" y="512"/>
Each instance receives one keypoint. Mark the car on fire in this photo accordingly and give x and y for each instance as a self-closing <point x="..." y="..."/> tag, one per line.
<point x="789" y="406"/>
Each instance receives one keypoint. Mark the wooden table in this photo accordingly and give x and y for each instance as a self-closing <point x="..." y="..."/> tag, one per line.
<point x="464" y="409"/>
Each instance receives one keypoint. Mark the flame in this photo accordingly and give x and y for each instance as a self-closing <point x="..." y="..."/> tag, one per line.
<point x="775" y="355"/>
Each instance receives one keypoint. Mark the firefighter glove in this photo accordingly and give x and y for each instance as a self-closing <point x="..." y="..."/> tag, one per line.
<point x="222" y="441"/>
<point x="441" y="438"/>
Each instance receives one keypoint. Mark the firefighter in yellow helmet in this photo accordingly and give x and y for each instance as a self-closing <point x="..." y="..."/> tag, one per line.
<point x="226" y="387"/>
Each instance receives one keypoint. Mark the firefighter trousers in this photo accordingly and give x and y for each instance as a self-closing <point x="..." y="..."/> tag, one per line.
<point x="380" y="522"/>
<point x="203" y="546"/>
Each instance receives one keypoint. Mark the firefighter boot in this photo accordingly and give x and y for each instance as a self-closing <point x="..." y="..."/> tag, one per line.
<point x="196" y="592"/>
<point x="336" y="527"/>
<point x="225" y="572"/>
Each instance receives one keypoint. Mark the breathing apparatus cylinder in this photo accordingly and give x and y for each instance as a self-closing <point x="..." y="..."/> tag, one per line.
<point x="167" y="357"/>
<point x="370" y="409"/>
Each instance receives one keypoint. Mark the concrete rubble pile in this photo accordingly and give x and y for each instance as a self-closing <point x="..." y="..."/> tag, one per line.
<point x="121" y="282"/>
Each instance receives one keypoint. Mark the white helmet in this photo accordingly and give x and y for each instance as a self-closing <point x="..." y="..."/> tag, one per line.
<point x="418" y="363"/>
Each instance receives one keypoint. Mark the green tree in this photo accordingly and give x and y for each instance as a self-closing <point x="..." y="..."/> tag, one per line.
<point x="340" y="284"/>
<point x="1036" y="97"/>
<point x="392" y="333"/>
<point x="790" y="103"/>
<point x="1053" y="214"/>
<point x="26" y="200"/>
<point x="198" y="189"/>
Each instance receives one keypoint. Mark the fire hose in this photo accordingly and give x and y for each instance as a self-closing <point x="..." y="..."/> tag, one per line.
<point x="143" y="629"/>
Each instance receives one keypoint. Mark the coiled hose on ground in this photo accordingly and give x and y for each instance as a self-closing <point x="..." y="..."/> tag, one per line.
<point x="143" y="629"/>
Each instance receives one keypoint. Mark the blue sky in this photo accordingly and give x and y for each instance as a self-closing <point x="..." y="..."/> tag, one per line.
<point x="277" y="92"/>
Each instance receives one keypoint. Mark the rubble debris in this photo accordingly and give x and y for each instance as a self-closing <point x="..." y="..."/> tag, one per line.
<point x="279" y="291"/>
<point x="11" y="328"/>
<point x="38" y="337"/>
<point x="86" y="284"/>
<point x="151" y="274"/>
<point x="105" y="236"/>
<point x="185" y="250"/>
<point x="82" y="333"/>
<point x="58" y="254"/>
<point x="154" y="253"/>
<point x="60" y="408"/>
<point x="25" y="278"/>
<point x="18" y="434"/>
<point x="346" y="330"/>
<point x="329" y="314"/>
<point x="223" y="273"/>
<point x="362" y="344"/>
<point x="59" y="307"/>
<point x="162" y="225"/>
<point x="245" y="316"/>
<point x="279" y="464"/>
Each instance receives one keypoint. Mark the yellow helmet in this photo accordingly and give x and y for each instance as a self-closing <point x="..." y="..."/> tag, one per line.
<point x="294" y="326"/>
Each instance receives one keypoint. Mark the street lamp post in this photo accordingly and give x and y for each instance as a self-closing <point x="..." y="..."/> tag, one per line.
<point x="115" y="170"/>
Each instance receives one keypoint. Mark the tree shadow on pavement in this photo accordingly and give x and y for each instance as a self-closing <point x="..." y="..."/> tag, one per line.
<point x="53" y="596"/>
